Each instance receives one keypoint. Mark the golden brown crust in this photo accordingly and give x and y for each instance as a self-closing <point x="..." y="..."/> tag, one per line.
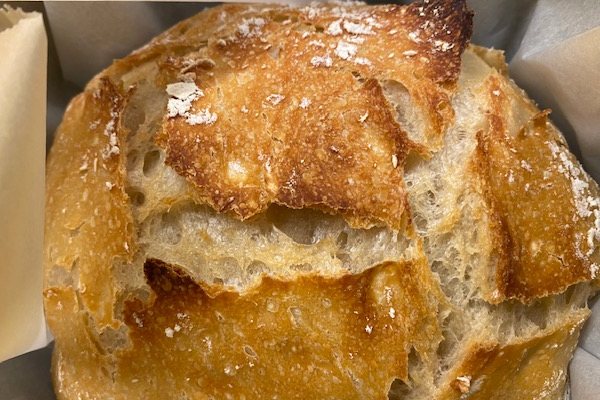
<point x="78" y="364"/>
<point x="88" y="216"/>
<point x="314" y="321"/>
<point x="447" y="25"/>
<point x="349" y="337"/>
<point x="545" y="236"/>
<point x="325" y="160"/>
<point x="534" y="369"/>
<point x="317" y="131"/>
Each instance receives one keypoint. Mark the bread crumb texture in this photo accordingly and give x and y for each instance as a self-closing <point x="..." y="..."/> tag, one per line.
<point x="335" y="201"/>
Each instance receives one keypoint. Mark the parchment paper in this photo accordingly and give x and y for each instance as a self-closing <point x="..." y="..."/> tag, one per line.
<point x="22" y="153"/>
<point x="558" y="63"/>
<point x="554" y="52"/>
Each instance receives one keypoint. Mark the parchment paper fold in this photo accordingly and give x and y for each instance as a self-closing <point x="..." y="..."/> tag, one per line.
<point x="23" y="48"/>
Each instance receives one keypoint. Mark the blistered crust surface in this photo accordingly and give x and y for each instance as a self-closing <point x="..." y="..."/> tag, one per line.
<point x="287" y="107"/>
<point x="227" y="345"/>
<point x="534" y="369"/>
<point x="342" y="338"/>
<point x="88" y="217"/>
<point x="546" y="208"/>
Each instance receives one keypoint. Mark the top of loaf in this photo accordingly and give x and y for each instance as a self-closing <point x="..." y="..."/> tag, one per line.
<point x="289" y="106"/>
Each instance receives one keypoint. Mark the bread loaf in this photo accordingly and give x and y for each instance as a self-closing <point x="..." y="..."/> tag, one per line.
<point x="333" y="202"/>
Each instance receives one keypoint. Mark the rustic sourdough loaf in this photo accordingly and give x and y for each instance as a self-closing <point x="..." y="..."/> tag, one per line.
<point x="337" y="201"/>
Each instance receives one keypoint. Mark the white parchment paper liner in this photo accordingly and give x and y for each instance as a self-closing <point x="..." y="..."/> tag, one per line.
<point x="23" y="47"/>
